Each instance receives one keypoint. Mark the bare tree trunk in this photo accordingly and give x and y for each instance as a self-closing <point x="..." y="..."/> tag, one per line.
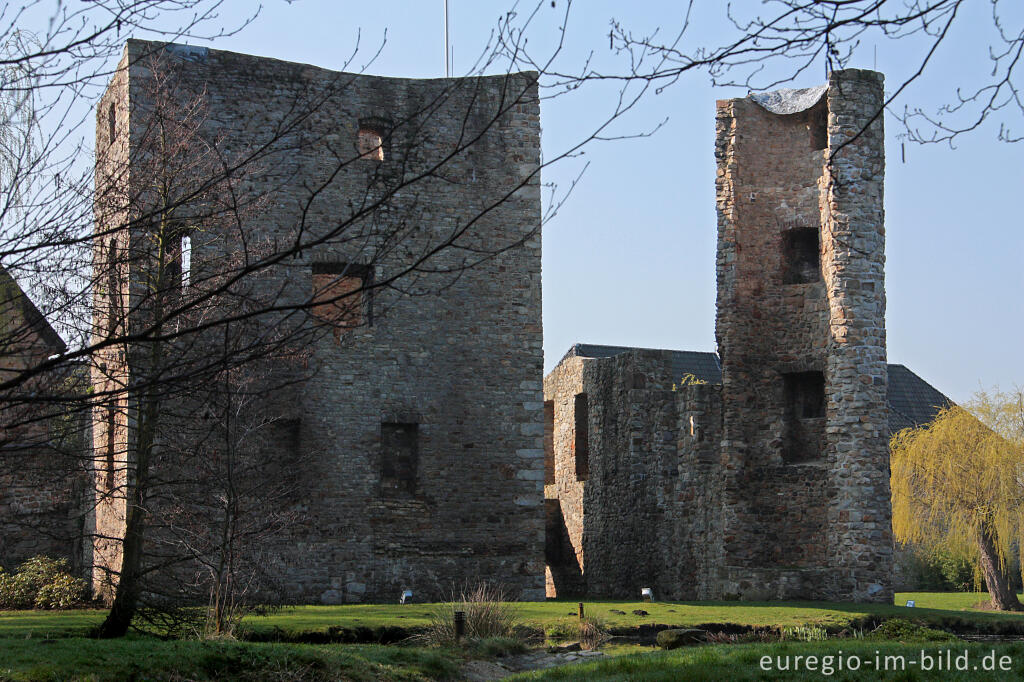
<point x="1003" y="598"/>
<point x="126" y="594"/>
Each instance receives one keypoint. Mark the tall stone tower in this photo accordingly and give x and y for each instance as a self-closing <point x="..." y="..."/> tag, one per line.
<point x="801" y="332"/>
<point x="410" y="436"/>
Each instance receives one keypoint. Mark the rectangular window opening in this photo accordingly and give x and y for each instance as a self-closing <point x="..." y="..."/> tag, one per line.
<point x="186" y="260"/>
<point x="804" y="416"/>
<point x="341" y="297"/>
<point x="111" y="434"/>
<point x="549" y="442"/>
<point x="581" y="442"/>
<point x="817" y="125"/>
<point x="399" y="444"/>
<point x="801" y="257"/>
<point x="113" y="288"/>
<point x="372" y="138"/>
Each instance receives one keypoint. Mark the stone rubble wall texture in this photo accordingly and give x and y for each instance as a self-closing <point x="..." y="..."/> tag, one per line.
<point x="41" y="486"/>
<point x="463" y="360"/>
<point x="730" y="512"/>
<point x="109" y="367"/>
<point x="644" y="517"/>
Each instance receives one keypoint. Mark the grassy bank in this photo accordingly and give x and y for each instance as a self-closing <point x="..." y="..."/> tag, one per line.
<point x="43" y="645"/>
<point x="930" y="606"/>
<point x="136" y="658"/>
<point x="744" y="662"/>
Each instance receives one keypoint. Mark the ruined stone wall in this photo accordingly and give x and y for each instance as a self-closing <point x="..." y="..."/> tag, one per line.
<point x="41" y="481"/>
<point x="644" y="515"/>
<point x="44" y="491"/>
<point x="860" y="513"/>
<point x="563" y="491"/>
<point x="454" y="369"/>
<point x="698" y="518"/>
<point x="800" y="330"/>
<point x="109" y="366"/>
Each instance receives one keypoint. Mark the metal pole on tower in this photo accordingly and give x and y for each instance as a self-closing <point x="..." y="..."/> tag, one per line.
<point x="447" y="60"/>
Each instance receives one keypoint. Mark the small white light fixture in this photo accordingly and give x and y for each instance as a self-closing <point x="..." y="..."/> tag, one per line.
<point x="406" y="596"/>
<point x="647" y="594"/>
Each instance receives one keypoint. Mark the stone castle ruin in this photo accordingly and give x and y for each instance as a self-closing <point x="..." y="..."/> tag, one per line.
<point x="764" y="477"/>
<point x="417" y="427"/>
<point x="429" y="448"/>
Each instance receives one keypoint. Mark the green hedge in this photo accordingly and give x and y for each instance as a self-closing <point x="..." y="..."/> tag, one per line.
<point x="41" y="583"/>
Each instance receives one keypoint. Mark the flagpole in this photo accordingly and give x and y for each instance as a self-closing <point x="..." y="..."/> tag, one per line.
<point x="447" y="60"/>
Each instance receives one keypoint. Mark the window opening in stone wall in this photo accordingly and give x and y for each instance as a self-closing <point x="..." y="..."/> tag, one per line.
<point x="800" y="256"/>
<point x="340" y="295"/>
<point x="371" y="145"/>
<point x="113" y="286"/>
<point x="817" y="125"/>
<point x="109" y="464"/>
<point x="111" y="123"/>
<point x="399" y="444"/>
<point x="549" y="442"/>
<point x="804" y="395"/>
<point x="176" y="238"/>
<point x="581" y="444"/>
<point x="186" y="260"/>
<point x="371" y="140"/>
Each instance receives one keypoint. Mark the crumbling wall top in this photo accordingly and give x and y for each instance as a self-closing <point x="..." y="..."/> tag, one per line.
<point x="789" y="100"/>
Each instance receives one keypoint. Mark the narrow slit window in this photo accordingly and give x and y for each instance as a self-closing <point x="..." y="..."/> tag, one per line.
<point x="186" y="261"/>
<point x="801" y="256"/>
<point x="109" y="464"/>
<point x="111" y="123"/>
<point x="399" y="458"/>
<point x="581" y="442"/>
<point x="113" y="287"/>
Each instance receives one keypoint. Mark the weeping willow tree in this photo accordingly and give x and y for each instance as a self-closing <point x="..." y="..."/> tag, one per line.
<point x="959" y="483"/>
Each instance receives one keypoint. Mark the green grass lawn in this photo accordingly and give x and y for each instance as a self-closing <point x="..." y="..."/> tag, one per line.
<point x="743" y="662"/>
<point x="930" y="606"/>
<point x="150" y="659"/>
<point x="48" y="645"/>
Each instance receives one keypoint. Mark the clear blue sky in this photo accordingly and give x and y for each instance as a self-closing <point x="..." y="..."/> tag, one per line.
<point x="630" y="257"/>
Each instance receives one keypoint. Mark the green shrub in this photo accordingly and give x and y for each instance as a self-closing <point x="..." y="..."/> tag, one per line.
<point x="41" y="583"/>
<point x="939" y="569"/>
<point x="673" y="639"/>
<point x="900" y="630"/>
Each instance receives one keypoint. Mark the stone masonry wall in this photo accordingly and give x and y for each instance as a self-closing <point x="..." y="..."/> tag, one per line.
<point x="773" y="485"/>
<point x="563" y="492"/>
<point x="804" y="446"/>
<point x="644" y="516"/>
<point x="41" y="483"/>
<point x="456" y="365"/>
<point x="860" y="513"/>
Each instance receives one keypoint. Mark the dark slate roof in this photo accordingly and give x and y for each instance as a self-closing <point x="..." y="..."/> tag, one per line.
<point x="912" y="400"/>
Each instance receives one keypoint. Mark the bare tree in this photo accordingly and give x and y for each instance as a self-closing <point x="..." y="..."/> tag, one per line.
<point x="119" y="283"/>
